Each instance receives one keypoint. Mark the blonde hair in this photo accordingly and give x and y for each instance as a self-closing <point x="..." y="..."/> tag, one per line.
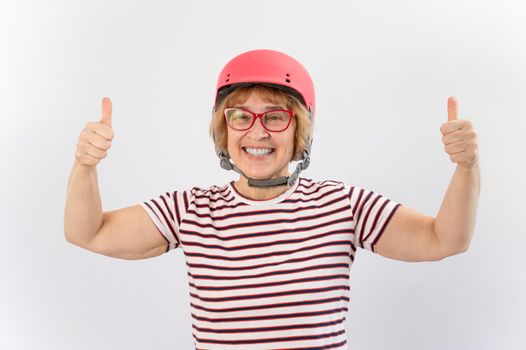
<point x="218" y="126"/>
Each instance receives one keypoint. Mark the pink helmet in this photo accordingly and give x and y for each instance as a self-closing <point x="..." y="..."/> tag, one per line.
<point x="269" y="67"/>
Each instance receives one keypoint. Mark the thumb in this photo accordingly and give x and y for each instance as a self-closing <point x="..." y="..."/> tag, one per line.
<point x="452" y="108"/>
<point x="106" y="111"/>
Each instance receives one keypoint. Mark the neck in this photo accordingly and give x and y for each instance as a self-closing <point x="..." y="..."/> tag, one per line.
<point x="259" y="193"/>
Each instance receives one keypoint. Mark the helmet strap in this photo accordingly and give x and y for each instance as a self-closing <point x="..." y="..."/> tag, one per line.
<point x="226" y="164"/>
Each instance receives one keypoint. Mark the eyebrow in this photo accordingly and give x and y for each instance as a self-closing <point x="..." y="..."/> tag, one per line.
<point x="268" y="108"/>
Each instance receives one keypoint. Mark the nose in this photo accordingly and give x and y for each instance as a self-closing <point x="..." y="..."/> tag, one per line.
<point x="257" y="131"/>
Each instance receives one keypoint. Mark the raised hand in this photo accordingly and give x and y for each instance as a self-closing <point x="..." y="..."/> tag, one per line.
<point x="459" y="137"/>
<point x="96" y="137"/>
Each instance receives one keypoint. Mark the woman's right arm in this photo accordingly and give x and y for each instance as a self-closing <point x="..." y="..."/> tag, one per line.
<point x="126" y="233"/>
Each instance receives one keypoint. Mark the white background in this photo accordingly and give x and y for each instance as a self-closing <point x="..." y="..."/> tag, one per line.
<point x="383" y="71"/>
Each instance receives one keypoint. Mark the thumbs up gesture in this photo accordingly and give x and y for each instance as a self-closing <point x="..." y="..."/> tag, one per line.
<point x="96" y="137"/>
<point x="459" y="137"/>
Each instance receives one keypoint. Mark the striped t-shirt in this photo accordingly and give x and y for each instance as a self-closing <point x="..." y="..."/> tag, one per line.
<point x="270" y="274"/>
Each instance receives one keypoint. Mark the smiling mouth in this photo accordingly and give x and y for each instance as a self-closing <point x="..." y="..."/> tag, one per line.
<point x="258" y="152"/>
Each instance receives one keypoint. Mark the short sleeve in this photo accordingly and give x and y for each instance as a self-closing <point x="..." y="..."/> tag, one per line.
<point x="371" y="213"/>
<point x="167" y="212"/>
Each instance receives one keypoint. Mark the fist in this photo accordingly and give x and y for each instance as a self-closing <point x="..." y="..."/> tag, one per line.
<point x="459" y="137"/>
<point x="96" y="137"/>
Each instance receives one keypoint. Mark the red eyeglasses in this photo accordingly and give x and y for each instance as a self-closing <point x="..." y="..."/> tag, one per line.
<point x="275" y="120"/>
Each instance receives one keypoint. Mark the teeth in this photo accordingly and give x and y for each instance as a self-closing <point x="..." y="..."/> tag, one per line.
<point x="258" y="151"/>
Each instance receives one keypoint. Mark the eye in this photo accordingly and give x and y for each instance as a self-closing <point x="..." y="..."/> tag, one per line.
<point x="237" y="114"/>
<point x="275" y="116"/>
<point x="242" y="116"/>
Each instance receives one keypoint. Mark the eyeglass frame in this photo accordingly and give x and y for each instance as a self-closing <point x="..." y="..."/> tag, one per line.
<point x="260" y="116"/>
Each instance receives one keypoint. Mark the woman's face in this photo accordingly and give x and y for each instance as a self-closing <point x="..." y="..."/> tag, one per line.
<point x="281" y="143"/>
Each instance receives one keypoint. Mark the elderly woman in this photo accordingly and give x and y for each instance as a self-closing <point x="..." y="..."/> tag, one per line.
<point x="269" y="255"/>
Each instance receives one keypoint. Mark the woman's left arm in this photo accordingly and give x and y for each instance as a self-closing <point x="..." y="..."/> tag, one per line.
<point x="455" y="222"/>
<point x="412" y="236"/>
